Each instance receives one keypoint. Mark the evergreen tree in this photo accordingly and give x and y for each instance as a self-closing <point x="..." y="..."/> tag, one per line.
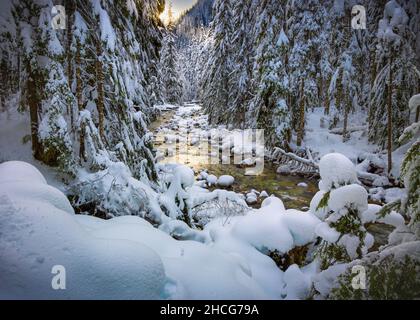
<point x="388" y="112"/>
<point x="269" y="105"/>
<point x="303" y="61"/>
<point x="217" y="83"/>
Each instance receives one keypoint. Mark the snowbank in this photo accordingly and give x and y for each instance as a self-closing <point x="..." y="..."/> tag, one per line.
<point x="122" y="258"/>
<point x="38" y="234"/>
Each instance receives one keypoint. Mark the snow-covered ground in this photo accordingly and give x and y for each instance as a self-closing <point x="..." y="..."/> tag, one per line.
<point x="319" y="138"/>
<point x="15" y="144"/>
<point x="128" y="258"/>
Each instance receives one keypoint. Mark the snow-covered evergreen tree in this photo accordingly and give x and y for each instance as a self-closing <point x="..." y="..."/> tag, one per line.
<point x="217" y="82"/>
<point x="269" y="105"/>
<point x="171" y="73"/>
<point x="340" y="204"/>
<point x="305" y="32"/>
<point x="393" y="85"/>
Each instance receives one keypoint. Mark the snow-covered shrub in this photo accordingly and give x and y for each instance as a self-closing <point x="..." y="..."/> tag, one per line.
<point x="409" y="204"/>
<point x="204" y="206"/>
<point x="53" y="129"/>
<point x="114" y="192"/>
<point x="173" y="199"/>
<point x="341" y="203"/>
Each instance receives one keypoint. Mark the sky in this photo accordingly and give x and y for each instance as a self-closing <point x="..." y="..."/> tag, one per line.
<point x="178" y="7"/>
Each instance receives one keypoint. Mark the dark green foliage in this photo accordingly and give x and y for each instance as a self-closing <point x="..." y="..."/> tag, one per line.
<point x="387" y="279"/>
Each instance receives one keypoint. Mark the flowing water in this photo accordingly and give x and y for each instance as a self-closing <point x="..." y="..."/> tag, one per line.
<point x="182" y="121"/>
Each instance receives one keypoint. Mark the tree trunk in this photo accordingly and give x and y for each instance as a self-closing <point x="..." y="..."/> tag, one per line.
<point x="80" y="102"/>
<point x="301" y="114"/>
<point x="346" y="133"/>
<point x="327" y="98"/>
<point x="100" y="88"/>
<point x="33" y="102"/>
<point x="389" y="111"/>
<point x="70" y="8"/>
<point x="418" y="107"/>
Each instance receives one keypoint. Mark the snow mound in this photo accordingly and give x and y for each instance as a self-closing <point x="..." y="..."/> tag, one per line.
<point x="336" y="170"/>
<point x="297" y="284"/>
<point x="185" y="176"/>
<point x="196" y="271"/>
<point x="20" y="171"/>
<point x="37" y="236"/>
<point x="22" y="181"/>
<point x="211" y="179"/>
<point x="273" y="228"/>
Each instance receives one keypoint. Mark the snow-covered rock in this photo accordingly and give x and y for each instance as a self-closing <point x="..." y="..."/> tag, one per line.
<point x="225" y="181"/>
<point x="211" y="180"/>
<point x="302" y="185"/>
<point x="251" y="198"/>
<point x="263" y="194"/>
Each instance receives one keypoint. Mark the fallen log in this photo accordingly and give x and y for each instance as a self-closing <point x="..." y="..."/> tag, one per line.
<point x="293" y="156"/>
<point x="349" y="130"/>
<point x="367" y="177"/>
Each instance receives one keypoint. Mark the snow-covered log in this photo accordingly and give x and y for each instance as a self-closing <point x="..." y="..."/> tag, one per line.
<point x="349" y="130"/>
<point x="310" y="166"/>
<point x="278" y="151"/>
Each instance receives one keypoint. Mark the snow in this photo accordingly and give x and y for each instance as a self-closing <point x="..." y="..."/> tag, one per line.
<point x="225" y="181"/>
<point x="322" y="141"/>
<point x="327" y="233"/>
<point x="273" y="228"/>
<point x="387" y="195"/>
<point x="414" y="103"/>
<point x="274" y="203"/>
<point x="302" y="185"/>
<point x="20" y="171"/>
<point x="394" y="18"/>
<point x="22" y="180"/>
<point x="313" y="207"/>
<point x="351" y="244"/>
<point x="211" y="179"/>
<point x="297" y="284"/>
<point x="371" y="215"/>
<point x="14" y="127"/>
<point x="107" y="30"/>
<point x="38" y="234"/>
<point x="251" y="198"/>
<point x="263" y="194"/>
<point x="336" y="170"/>
<point x="324" y="281"/>
<point x="351" y="196"/>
